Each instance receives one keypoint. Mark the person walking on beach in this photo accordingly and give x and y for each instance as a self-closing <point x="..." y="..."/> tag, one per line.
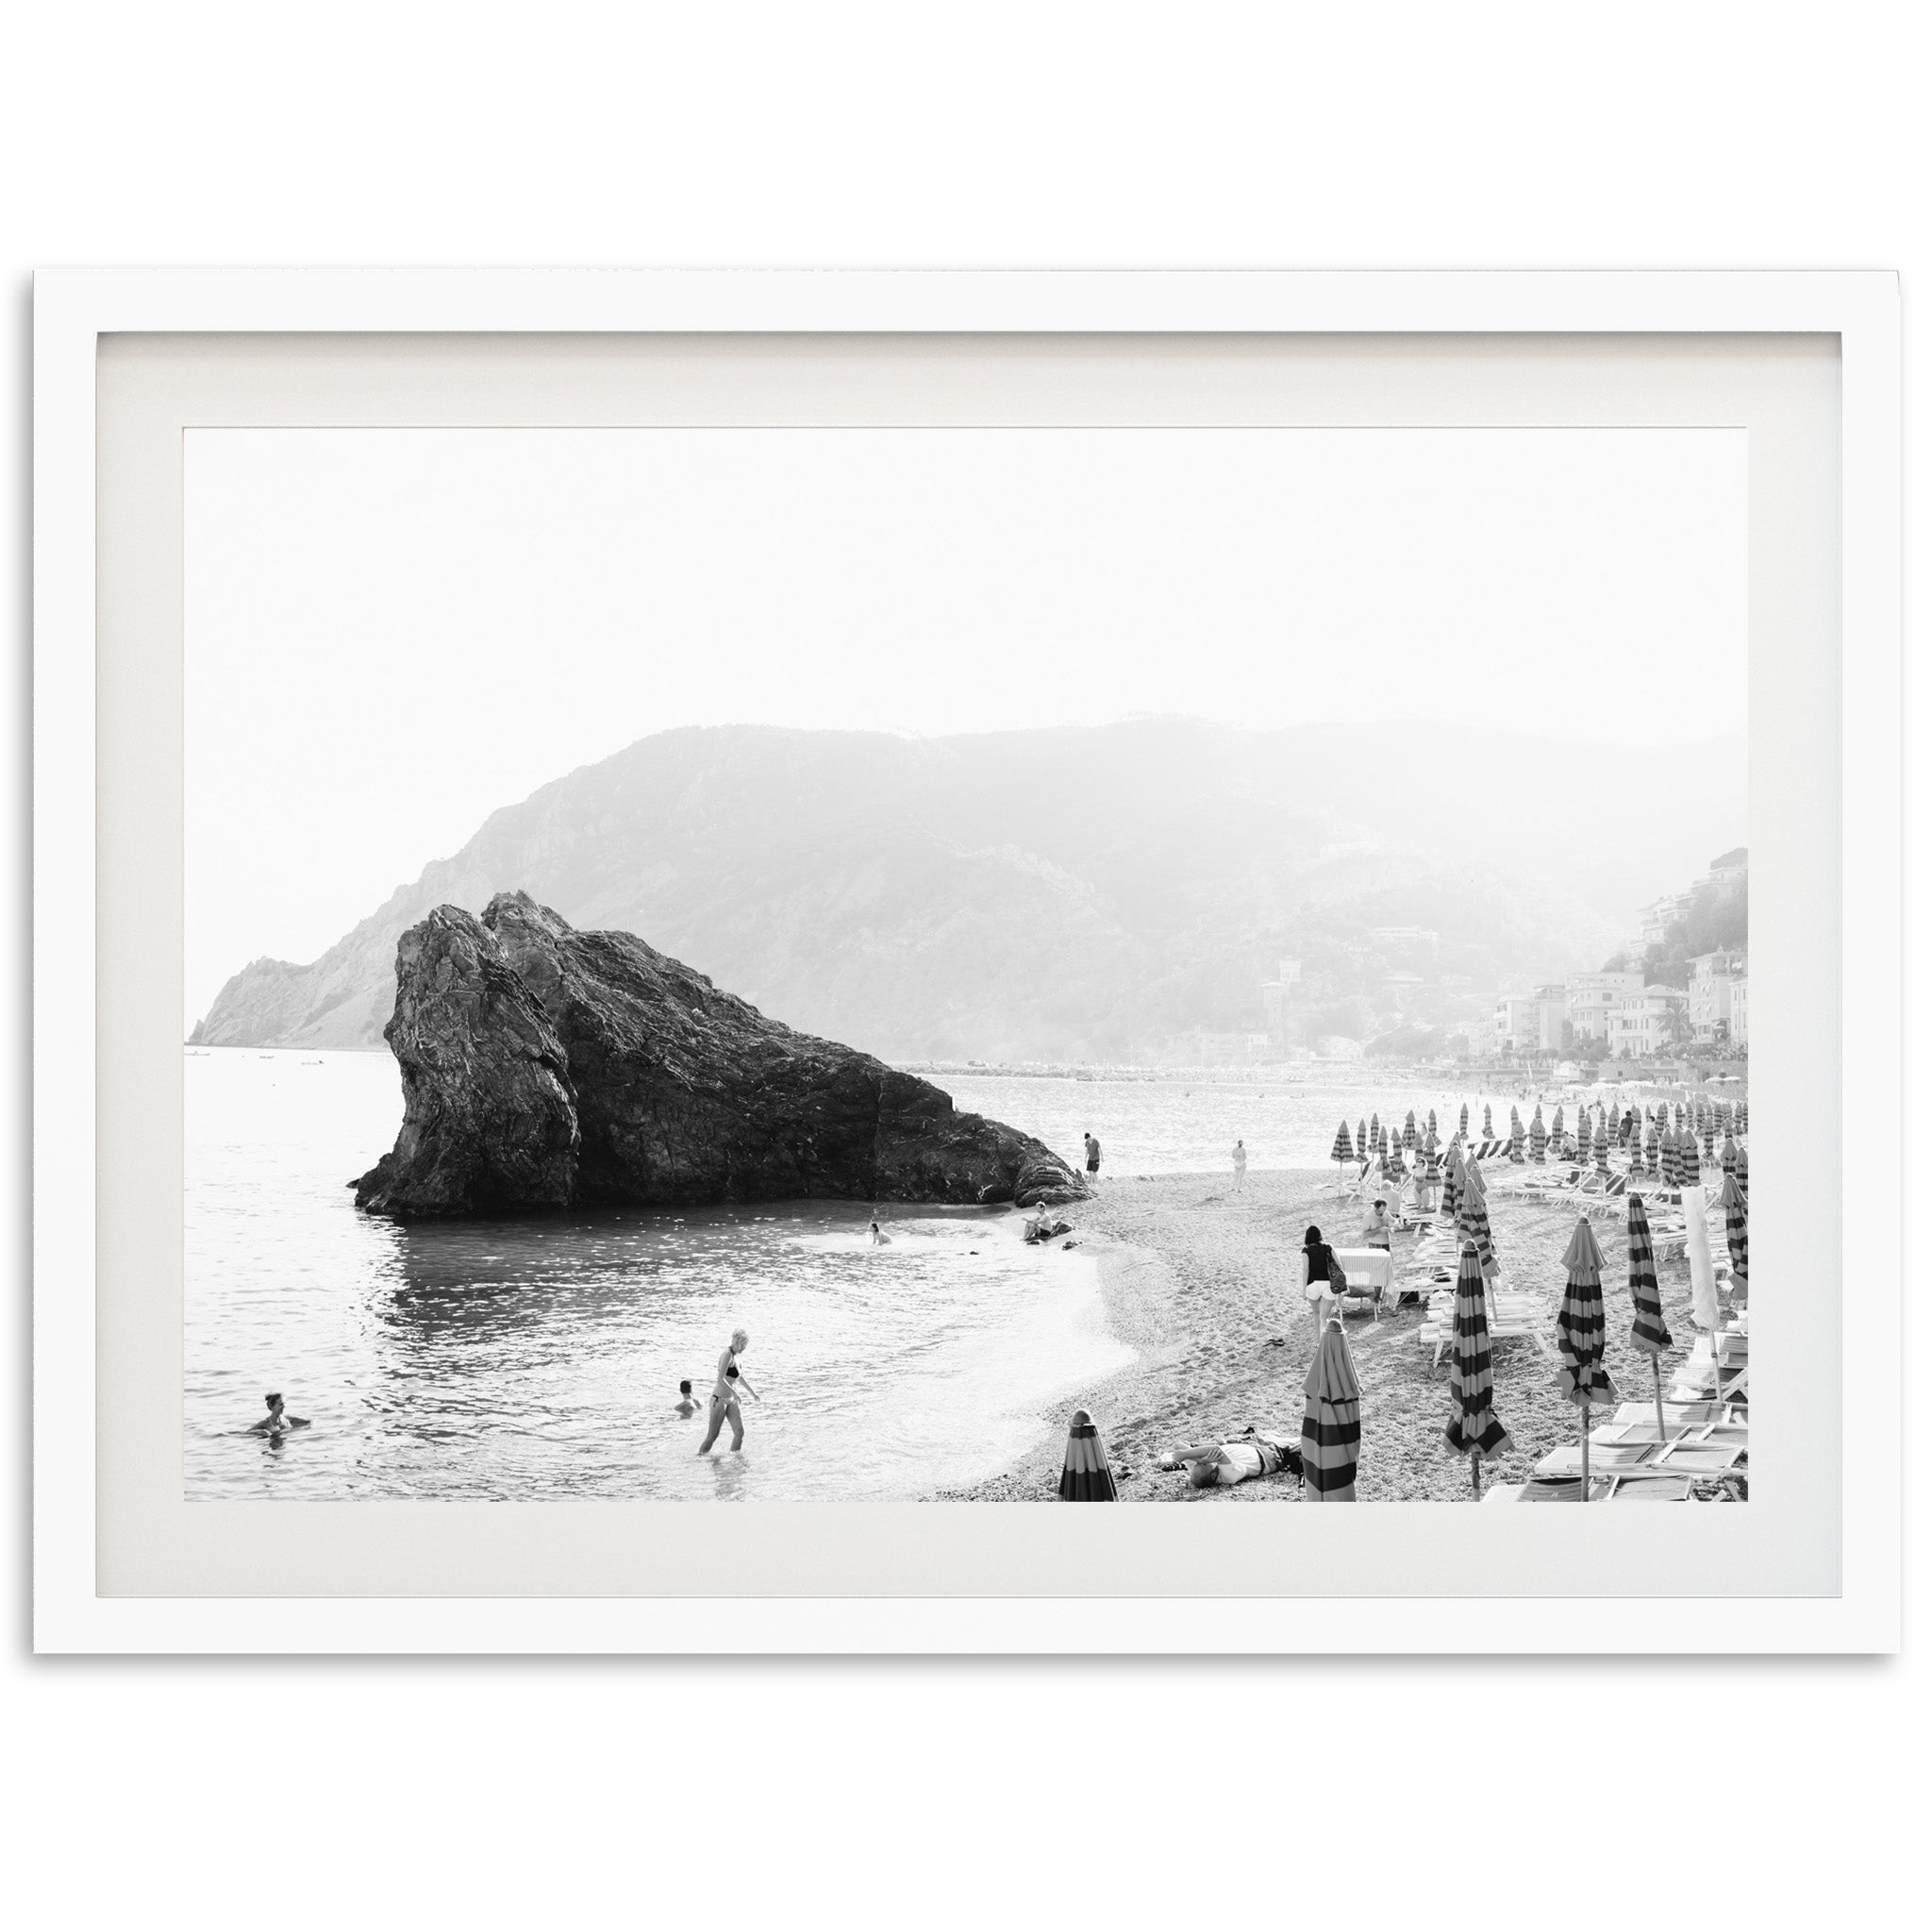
<point x="1092" y="1155"/>
<point x="1240" y="1166"/>
<point x="724" y="1395"/>
<point x="1323" y="1270"/>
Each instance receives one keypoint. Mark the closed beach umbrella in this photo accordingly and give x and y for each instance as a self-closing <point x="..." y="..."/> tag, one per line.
<point x="1601" y="1148"/>
<point x="1515" y="1137"/>
<point x="1375" y="1127"/>
<point x="1728" y="1159"/>
<point x="1742" y="1174"/>
<point x="1580" y="1334"/>
<point x="1331" y="1420"/>
<point x="1343" y="1150"/>
<point x="1451" y="1182"/>
<point x="1085" y="1476"/>
<point x="1409" y="1129"/>
<point x="1556" y="1121"/>
<point x="1429" y="1138"/>
<point x="1647" y="1332"/>
<point x="1462" y="1125"/>
<point x="1704" y="1306"/>
<point x="1709" y="1139"/>
<point x="1737" y="1234"/>
<point x="1361" y="1139"/>
<point x="1473" y="1429"/>
<point x="1538" y="1139"/>
<point x="1743" y="1115"/>
<point x="1472" y="1218"/>
<point x="1488" y="1132"/>
<point x="1432" y="1119"/>
<point x="1652" y="1140"/>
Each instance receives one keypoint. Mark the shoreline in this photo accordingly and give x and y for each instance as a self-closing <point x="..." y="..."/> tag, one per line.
<point x="1205" y="1284"/>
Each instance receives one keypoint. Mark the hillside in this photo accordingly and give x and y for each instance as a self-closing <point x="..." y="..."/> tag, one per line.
<point x="1060" y="893"/>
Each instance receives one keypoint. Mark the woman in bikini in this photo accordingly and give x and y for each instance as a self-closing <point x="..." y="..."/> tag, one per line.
<point x="724" y="1395"/>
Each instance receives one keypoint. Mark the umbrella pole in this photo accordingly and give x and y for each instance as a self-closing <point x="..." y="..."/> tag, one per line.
<point x="1475" y="1475"/>
<point x="1656" y="1385"/>
<point x="1584" y="1493"/>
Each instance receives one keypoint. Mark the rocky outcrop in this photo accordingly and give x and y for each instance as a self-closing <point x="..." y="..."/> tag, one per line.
<point x="543" y="1066"/>
<point x="489" y="1118"/>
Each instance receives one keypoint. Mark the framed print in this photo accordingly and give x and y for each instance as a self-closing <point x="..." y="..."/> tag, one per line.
<point x="703" y="941"/>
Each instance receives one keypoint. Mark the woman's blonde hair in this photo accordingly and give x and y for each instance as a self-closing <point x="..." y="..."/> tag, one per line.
<point x="739" y="1334"/>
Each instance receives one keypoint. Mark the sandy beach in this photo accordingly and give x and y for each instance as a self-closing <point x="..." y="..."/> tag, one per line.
<point x="1206" y="1284"/>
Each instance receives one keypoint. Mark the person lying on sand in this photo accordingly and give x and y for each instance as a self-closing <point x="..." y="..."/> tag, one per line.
<point x="687" y="1403"/>
<point x="277" y="1420"/>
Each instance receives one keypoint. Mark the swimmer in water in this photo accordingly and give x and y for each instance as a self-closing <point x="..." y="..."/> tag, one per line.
<point x="880" y="1239"/>
<point x="687" y="1403"/>
<point x="277" y="1420"/>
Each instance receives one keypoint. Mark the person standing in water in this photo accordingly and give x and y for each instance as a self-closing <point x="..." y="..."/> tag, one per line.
<point x="1092" y="1156"/>
<point x="724" y="1395"/>
<point x="1240" y="1166"/>
<point x="277" y="1420"/>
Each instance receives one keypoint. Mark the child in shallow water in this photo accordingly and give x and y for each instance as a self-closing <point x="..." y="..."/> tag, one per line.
<point x="687" y="1403"/>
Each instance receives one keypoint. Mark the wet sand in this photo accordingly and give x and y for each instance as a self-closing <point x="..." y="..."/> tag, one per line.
<point x="1206" y="1284"/>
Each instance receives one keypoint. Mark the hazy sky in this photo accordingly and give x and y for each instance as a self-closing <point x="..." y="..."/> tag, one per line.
<point x="391" y="633"/>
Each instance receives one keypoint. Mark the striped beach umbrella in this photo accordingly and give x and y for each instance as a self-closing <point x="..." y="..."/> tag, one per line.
<point x="1741" y="1175"/>
<point x="1557" y="1124"/>
<point x="1085" y="1476"/>
<point x="1375" y="1127"/>
<point x="1600" y="1149"/>
<point x="1473" y="1429"/>
<point x="1488" y="1132"/>
<point x="1538" y="1138"/>
<point x="1651" y="1141"/>
<point x="1472" y="1218"/>
<point x="1343" y="1150"/>
<point x="1727" y="1158"/>
<point x="1737" y="1234"/>
<point x="1432" y="1119"/>
<point x="1361" y="1139"/>
<point x="1462" y="1125"/>
<point x="1709" y="1139"/>
<point x="1516" y="1138"/>
<point x="1580" y="1334"/>
<point x="1451" y="1182"/>
<point x="1743" y="1116"/>
<point x="1409" y="1129"/>
<point x="1429" y="1142"/>
<point x="1647" y="1333"/>
<point x="1331" y="1420"/>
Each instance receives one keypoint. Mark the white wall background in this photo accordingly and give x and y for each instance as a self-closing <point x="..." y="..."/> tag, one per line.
<point x="1643" y="134"/>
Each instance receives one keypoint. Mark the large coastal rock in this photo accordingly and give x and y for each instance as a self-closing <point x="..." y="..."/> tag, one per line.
<point x="672" y="1091"/>
<point x="489" y="1119"/>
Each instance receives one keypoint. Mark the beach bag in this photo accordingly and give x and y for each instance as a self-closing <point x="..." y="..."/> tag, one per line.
<point x="1338" y="1274"/>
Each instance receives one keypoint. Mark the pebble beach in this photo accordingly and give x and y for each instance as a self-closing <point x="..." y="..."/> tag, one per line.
<point x="1205" y="1283"/>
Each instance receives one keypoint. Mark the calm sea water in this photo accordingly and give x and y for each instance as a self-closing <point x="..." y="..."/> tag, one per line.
<point x="540" y="1357"/>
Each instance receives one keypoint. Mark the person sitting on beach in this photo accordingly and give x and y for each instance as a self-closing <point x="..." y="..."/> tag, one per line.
<point x="879" y="1238"/>
<point x="724" y="1395"/>
<point x="1240" y="1166"/>
<point x="1320" y="1288"/>
<point x="1378" y="1233"/>
<point x="1092" y="1155"/>
<point x="687" y="1403"/>
<point x="277" y="1420"/>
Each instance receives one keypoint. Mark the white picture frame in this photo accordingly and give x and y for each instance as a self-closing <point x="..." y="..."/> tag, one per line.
<point x="75" y="310"/>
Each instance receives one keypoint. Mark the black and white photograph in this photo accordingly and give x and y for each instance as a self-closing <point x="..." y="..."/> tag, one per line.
<point x="1144" y="965"/>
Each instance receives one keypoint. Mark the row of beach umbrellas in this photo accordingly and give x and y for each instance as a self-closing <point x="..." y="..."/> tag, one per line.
<point x="1331" y="1415"/>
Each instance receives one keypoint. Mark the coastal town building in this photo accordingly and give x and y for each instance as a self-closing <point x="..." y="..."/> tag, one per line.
<point x="1713" y="976"/>
<point x="1640" y="1023"/>
<point x="1590" y="998"/>
<point x="1741" y="1016"/>
<point x="1532" y="1022"/>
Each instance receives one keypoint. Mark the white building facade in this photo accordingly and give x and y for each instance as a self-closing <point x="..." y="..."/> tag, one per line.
<point x="1592" y="997"/>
